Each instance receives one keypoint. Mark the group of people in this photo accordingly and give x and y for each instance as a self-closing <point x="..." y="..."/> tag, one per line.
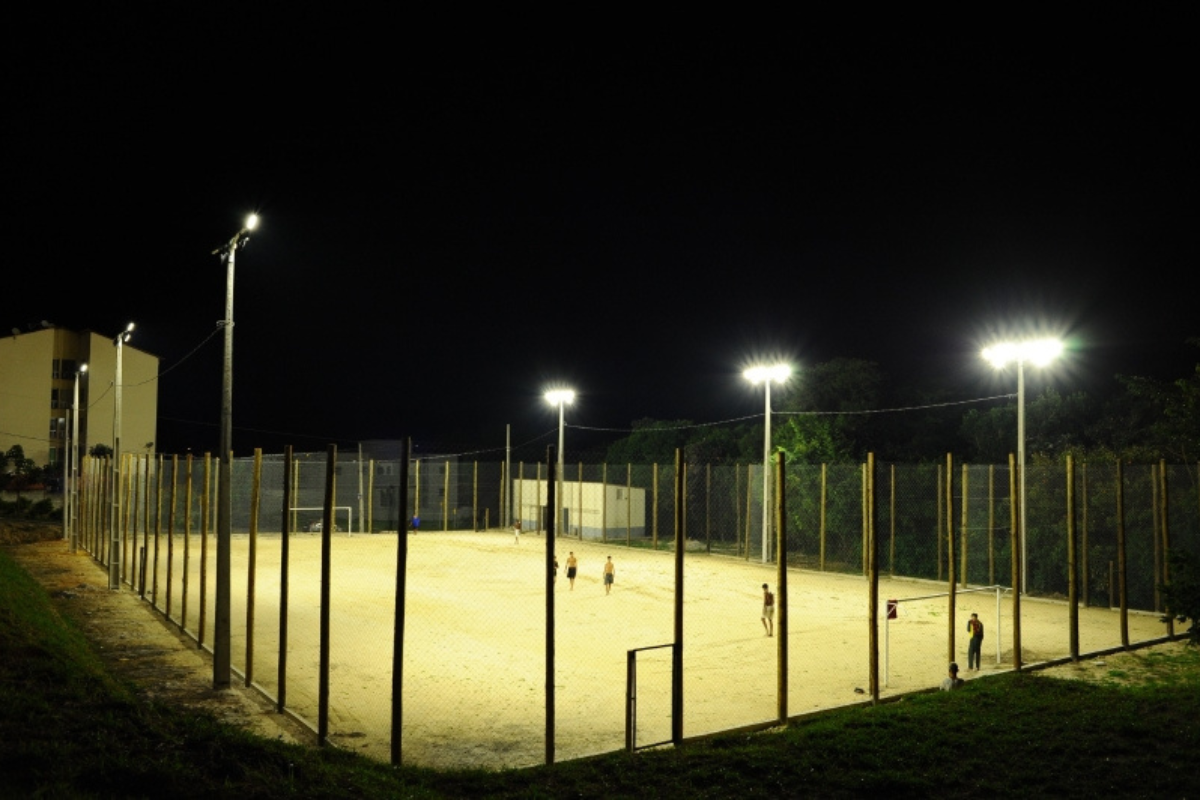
<point x="952" y="681"/>
<point x="609" y="573"/>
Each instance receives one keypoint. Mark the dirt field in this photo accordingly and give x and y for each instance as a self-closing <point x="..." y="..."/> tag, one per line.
<point x="474" y="657"/>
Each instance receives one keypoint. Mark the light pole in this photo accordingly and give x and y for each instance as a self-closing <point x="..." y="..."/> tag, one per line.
<point x="1038" y="352"/>
<point x="114" y="551"/>
<point x="73" y="458"/>
<point x="221" y="623"/>
<point x="765" y="374"/>
<point x="560" y="398"/>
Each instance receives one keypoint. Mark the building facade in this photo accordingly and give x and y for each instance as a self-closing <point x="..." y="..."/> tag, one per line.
<point x="37" y="389"/>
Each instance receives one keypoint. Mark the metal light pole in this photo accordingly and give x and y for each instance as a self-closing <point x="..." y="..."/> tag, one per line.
<point x="221" y="623"/>
<point x="1039" y="352"/>
<point x="765" y="374"/>
<point x="114" y="551"/>
<point x="73" y="457"/>
<point x="560" y="397"/>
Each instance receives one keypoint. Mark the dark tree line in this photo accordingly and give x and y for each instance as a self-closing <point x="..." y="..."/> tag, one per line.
<point x="842" y="409"/>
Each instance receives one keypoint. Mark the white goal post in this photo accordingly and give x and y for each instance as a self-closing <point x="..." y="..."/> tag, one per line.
<point x="890" y="612"/>
<point x="349" y="516"/>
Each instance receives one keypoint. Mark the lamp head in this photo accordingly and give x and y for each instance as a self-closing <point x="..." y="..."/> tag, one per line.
<point x="767" y="372"/>
<point x="1038" y="352"/>
<point x="560" y="396"/>
<point x="251" y="222"/>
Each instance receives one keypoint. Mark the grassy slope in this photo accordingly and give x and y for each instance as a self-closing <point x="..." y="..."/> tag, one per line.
<point x="67" y="729"/>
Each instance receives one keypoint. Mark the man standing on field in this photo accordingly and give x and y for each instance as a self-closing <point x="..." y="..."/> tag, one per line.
<point x="975" y="648"/>
<point x="572" y="566"/>
<point x="610" y="571"/>
<point x="768" y="611"/>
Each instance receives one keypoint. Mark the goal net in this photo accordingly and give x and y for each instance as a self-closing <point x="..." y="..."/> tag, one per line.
<point x="918" y="626"/>
<point x="310" y="519"/>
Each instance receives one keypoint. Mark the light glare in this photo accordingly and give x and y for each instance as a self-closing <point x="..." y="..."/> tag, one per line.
<point x="252" y="222"/>
<point x="560" y="396"/>
<point x="1038" y="352"/>
<point x="773" y="372"/>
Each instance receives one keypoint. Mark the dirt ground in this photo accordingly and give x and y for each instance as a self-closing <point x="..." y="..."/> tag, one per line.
<point x="474" y="668"/>
<point x="137" y="644"/>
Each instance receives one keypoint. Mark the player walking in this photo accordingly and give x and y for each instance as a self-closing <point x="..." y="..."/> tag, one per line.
<point x="975" y="647"/>
<point x="768" y="611"/>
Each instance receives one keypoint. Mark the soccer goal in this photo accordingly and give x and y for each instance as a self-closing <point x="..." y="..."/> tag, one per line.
<point x="312" y="524"/>
<point x="896" y="609"/>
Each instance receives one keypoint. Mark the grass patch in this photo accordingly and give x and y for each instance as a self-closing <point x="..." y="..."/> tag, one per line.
<point x="71" y="730"/>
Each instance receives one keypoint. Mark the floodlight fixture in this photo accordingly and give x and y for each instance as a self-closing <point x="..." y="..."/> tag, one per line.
<point x="1038" y="352"/>
<point x="765" y="374"/>
<point x="772" y="372"/>
<point x="222" y="624"/>
<point x="560" y="398"/>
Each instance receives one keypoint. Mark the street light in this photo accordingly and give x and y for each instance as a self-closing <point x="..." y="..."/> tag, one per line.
<point x="73" y="460"/>
<point x="221" y="625"/>
<point x="1038" y="352"/>
<point x="560" y="398"/>
<point x="764" y="375"/>
<point x="114" y="551"/>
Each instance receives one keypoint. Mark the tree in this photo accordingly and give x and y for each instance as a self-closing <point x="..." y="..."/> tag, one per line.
<point x="24" y="470"/>
<point x="1182" y="595"/>
<point x="821" y="423"/>
<point x="100" y="451"/>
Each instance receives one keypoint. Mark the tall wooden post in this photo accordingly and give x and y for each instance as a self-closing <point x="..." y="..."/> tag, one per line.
<point x="677" y="649"/>
<point x="552" y="506"/>
<point x="872" y="580"/>
<point x="1121" y="586"/>
<point x="953" y="597"/>
<point x="1014" y="508"/>
<point x="1072" y="580"/>
<point x="781" y="630"/>
<point x="1165" y="518"/>
<point x="398" y="631"/>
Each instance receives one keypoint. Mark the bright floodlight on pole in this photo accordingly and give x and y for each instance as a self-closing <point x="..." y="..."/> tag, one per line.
<point x="1038" y="352"/>
<point x="114" y="550"/>
<point x="765" y="374"/>
<point x="560" y="398"/>
<point x="221" y="625"/>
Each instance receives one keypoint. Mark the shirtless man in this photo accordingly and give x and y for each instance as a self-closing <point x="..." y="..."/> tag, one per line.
<point x="572" y="565"/>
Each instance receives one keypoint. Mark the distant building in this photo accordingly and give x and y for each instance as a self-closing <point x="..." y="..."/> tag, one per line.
<point x="37" y="388"/>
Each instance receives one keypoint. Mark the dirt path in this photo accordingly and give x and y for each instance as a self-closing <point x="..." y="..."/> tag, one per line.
<point x="139" y="646"/>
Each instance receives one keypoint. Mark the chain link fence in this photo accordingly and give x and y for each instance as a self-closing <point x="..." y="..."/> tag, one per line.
<point x="475" y="625"/>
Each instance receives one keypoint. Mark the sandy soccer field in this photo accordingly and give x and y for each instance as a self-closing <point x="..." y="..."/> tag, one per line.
<point x="475" y="641"/>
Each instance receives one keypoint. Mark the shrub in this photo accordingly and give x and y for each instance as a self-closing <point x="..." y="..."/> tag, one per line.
<point x="1182" y="594"/>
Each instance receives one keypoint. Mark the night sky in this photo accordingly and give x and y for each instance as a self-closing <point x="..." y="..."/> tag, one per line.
<point x="452" y="222"/>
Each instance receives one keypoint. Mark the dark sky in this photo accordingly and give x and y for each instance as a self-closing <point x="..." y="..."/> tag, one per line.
<point x="452" y="221"/>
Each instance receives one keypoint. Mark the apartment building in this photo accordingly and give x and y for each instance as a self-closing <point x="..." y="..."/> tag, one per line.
<point x="38" y="369"/>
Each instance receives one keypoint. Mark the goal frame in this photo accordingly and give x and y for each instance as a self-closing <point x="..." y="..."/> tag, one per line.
<point x="348" y="509"/>
<point x="887" y="620"/>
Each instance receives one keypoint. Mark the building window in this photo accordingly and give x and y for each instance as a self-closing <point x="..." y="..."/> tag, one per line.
<point x="54" y="457"/>
<point x="54" y="368"/>
<point x="58" y="427"/>
<point x="57" y="397"/>
<point x="68" y="368"/>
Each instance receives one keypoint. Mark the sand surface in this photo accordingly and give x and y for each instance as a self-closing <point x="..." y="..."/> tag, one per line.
<point x="475" y="654"/>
